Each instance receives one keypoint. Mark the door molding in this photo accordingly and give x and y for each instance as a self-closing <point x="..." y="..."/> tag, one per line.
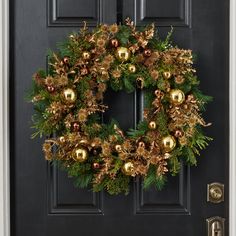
<point x="4" y="120"/>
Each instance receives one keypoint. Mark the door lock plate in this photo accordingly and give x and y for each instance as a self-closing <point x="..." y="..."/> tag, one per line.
<point x="215" y="226"/>
<point x="215" y="192"/>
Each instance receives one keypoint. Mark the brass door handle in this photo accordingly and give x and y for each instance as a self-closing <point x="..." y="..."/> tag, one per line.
<point x="215" y="192"/>
<point x="215" y="226"/>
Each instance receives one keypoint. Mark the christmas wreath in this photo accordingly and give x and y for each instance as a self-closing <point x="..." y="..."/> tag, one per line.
<point x="68" y="102"/>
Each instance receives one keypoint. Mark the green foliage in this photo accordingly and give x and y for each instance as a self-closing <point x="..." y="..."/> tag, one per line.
<point x="123" y="35"/>
<point x="204" y="99"/>
<point x="162" y="123"/>
<point x="140" y="131"/>
<point x="189" y="155"/>
<point x="81" y="173"/>
<point x="152" y="179"/>
<point x="199" y="141"/>
<point x="120" y="184"/>
<point x="174" y="162"/>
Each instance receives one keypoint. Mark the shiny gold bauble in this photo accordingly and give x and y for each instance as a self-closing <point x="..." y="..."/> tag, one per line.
<point x="123" y="54"/>
<point x="118" y="148"/>
<point x="80" y="154"/>
<point x="132" y="68"/>
<point x="86" y="55"/>
<point x="166" y="74"/>
<point x="152" y="125"/>
<point x="128" y="168"/>
<point x="69" y="95"/>
<point x="177" y="96"/>
<point x="114" y="43"/>
<point x="168" y="143"/>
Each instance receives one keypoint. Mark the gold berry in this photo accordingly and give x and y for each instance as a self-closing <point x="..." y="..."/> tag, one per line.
<point x="132" y="68"/>
<point x="123" y="54"/>
<point x="168" y="143"/>
<point x="178" y="133"/>
<point x="80" y="155"/>
<point x="66" y="60"/>
<point x="141" y="144"/>
<point x="114" y="43"/>
<point x="177" y="96"/>
<point x="62" y="139"/>
<point x="152" y="125"/>
<point x="96" y="165"/>
<point x="69" y="95"/>
<point x="86" y="55"/>
<point x="118" y="148"/>
<point x="147" y="52"/>
<point x="128" y="168"/>
<point x="166" y="74"/>
<point x="76" y="126"/>
<point x="50" y="89"/>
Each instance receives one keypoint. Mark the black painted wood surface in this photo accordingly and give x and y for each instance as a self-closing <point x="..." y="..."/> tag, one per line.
<point x="44" y="201"/>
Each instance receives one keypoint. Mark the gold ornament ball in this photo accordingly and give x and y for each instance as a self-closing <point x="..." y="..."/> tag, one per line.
<point x="123" y="54"/>
<point x="118" y="148"/>
<point x="152" y="125"/>
<point x="168" y="143"/>
<point x="69" y="95"/>
<point x="177" y="96"/>
<point x="132" y="68"/>
<point x="128" y="168"/>
<point x="86" y="55"/>
<point x="166" y="74"/>
<point x="80" y="154"/>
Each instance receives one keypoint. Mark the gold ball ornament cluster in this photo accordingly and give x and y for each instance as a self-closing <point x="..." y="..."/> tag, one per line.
<point x="168" y="143"/>
<point x="128" y="168"/>
<point x="177" y="96"/>
<point x="123" y="54"/>
<point x="70" y="98"/>
<point x="69" y="95"/>
<point x="80" y="155"/>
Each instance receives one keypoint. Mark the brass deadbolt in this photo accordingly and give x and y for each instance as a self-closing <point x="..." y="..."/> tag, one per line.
<point x="215" y="192"/>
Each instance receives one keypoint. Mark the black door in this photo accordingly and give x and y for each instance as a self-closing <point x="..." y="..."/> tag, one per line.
<point x="44" y="201"/>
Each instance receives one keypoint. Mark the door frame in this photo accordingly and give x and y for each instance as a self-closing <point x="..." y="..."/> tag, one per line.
<point x="4" y="120"/>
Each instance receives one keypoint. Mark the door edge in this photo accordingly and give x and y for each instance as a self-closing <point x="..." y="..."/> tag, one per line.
<point x="4" y="120"/>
